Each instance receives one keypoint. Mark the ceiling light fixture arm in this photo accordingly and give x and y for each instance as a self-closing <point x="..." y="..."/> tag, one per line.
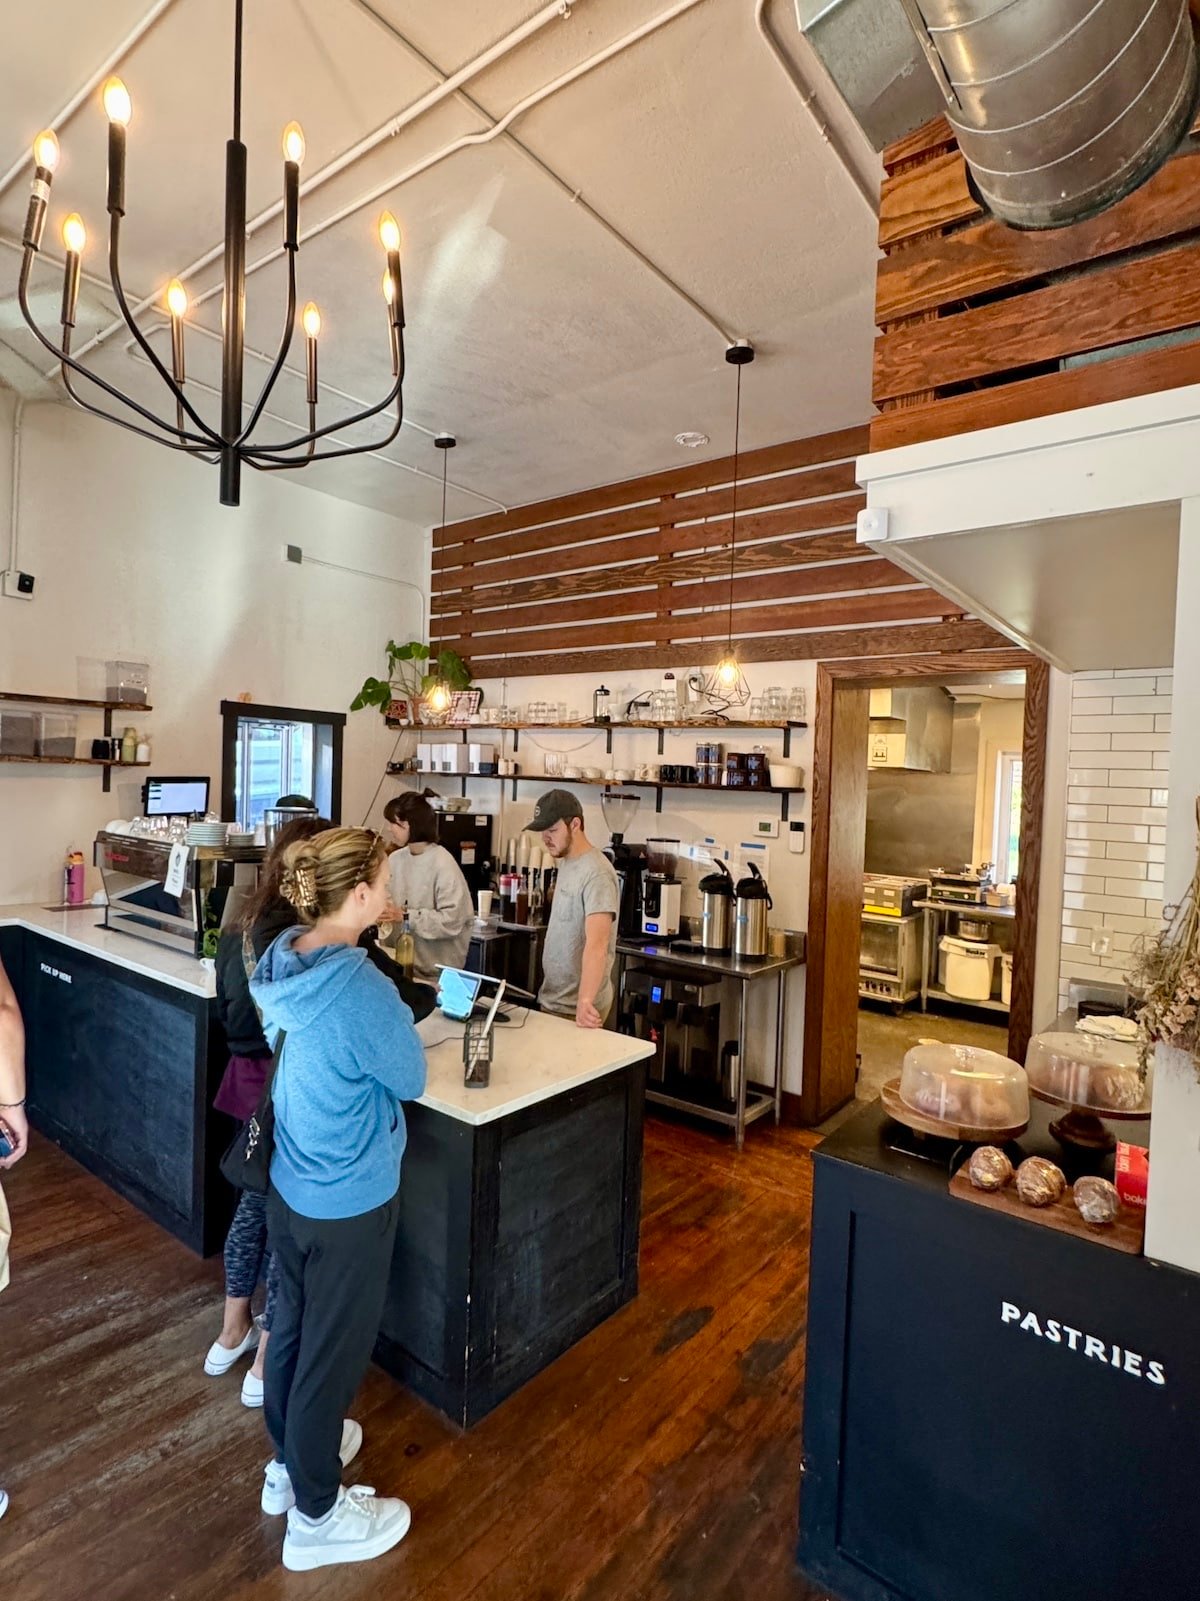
<point x="368" y="412"/>
<point x="352" y="450"/>
<point x="285" y="344"/>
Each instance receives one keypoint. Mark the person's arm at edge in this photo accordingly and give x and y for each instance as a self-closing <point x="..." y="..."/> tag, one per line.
<point x="390" y="1050"/>
<point x="593" y="968"/>
<point x="12" y="1069"/>
<point x="452" y="910"/>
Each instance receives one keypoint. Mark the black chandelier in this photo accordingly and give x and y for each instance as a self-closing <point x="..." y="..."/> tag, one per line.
<point x="232" y="443"/>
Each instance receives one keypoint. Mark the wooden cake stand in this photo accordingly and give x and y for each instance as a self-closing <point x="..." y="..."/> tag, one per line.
<point x="965" y="1132"/>
<point x="1083" y="1126"/>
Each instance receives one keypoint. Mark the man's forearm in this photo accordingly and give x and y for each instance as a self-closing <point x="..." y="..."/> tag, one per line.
<point x="592" y="969"/>
<point x="12" y="1054"/>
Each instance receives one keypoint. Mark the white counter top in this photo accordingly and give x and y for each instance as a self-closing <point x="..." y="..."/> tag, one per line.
<point x="542" y="1057"/>
<point x="80" y="929"/>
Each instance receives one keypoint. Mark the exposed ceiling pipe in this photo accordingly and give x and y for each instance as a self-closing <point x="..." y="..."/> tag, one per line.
<point x="556" y="10"/>
<point x="808" y="99"/>
<point x="110" y="63"/>
<point x="374" y="455"/>
<point x="464" y="142"/>
<point x="14" y="512"/>
<point x="573" y="195"/>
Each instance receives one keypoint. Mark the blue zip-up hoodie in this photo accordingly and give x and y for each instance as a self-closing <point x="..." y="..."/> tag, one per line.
<point x="350" y="1057"/>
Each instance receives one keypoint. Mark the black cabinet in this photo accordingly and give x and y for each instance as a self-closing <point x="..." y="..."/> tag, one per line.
<point x="992" y="1409"/>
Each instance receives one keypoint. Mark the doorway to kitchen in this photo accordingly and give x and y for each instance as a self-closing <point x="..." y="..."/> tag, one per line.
<point x="927" y="801"/>
<point x="269" y="751"/>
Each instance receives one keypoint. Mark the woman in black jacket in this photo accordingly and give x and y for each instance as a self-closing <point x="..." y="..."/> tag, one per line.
<point x="264" y="917"/>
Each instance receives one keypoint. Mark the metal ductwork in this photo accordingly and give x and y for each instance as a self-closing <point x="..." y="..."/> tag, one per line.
<point x="1060" y="106"/>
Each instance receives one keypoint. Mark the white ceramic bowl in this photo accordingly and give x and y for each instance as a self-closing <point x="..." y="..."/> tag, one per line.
<point x="787" y="775"/>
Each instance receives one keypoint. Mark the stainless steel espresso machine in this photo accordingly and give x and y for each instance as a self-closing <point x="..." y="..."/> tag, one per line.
<point x="662" y="892"/>
<point x="185" y="914"/>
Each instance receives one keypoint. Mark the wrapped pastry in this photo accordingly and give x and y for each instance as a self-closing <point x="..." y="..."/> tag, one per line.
<point x="1039" y="1182"/>
<point x="989" y="1168"/>
<point x="1119" y="1088"/>
<point x="1097" y="1200"/>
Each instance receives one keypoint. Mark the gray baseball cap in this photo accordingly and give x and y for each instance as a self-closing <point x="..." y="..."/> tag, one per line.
<point x="555" y="806"/>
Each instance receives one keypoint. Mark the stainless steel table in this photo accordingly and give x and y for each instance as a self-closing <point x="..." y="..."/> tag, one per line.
<point x="931" y="912"/>
<point x="688" y="959"/>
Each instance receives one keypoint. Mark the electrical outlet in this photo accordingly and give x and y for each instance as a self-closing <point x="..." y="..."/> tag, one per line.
<point x="766" y="828"/>
<point x="18" y="586"/>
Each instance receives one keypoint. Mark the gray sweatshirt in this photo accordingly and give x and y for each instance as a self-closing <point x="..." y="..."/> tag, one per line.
<point x="430" y="883"/>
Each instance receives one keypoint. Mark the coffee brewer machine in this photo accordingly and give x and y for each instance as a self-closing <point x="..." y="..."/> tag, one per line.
<point x="630" y="861"/>
<point x="662" y="892"/>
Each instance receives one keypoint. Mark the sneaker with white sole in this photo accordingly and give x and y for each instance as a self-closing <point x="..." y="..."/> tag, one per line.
<point x="252" y="1390"/>
<point x="221" y="1358"/>
<point x="278" y="1496"/>
<point x="3" y="1502"/>
<point x="361" y="1526"/>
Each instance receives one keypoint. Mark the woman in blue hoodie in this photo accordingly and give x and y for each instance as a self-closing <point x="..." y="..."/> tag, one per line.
<point x="350" y="1055"/>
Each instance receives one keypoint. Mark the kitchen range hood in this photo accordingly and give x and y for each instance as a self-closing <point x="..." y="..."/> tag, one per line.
<point x="911" y="729"/>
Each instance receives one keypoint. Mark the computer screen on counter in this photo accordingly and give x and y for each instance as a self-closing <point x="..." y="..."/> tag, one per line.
<point x="175" y="797"/>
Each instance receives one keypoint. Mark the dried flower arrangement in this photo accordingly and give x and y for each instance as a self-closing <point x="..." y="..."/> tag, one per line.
<point x="1166" y="977"/>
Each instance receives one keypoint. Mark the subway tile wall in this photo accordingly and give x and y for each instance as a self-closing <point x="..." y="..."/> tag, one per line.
<point x="1116" y="820"/>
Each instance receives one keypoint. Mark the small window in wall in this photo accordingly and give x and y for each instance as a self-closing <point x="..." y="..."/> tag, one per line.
<point x="1008" y="817"/>
<point x="269" y="751"/>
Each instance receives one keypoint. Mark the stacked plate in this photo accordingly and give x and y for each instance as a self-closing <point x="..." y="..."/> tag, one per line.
<point x="206" y="833"/>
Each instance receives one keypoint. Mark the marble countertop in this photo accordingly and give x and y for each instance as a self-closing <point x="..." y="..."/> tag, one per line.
<point x="536" y="1057"/>
<point x="81" y="927"/>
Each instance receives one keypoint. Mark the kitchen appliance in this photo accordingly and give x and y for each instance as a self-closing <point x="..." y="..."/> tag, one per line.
<point x="970" y="968"/>
<point x="661" y="901"/>
<point x="618" y="810"/>
<point x="144" y="900"/>
<point x="751" y="905"/>
<point x="277" y="818"/>
<point x="716" y="909"/>
<point x="681" y="1017"/>
<point x="890" y="895"/>
<point x="964" y="885"/>
<point x="889" y="955"/>
<point x="468" y="838"/>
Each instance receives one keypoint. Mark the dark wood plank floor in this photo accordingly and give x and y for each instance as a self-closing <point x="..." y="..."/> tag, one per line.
<point x="657" y="1461"/>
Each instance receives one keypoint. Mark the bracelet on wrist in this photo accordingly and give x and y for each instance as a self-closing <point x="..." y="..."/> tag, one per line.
<point x="7" y="1106"/>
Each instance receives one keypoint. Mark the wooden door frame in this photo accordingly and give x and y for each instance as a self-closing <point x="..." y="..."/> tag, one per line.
<point x="828" y="1084"/>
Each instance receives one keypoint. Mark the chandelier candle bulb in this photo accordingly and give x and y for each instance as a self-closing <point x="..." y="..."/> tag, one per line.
<point x="74" y="236"/>
<point x="293" y="155"/>
<point x="177" y="303"/>
<point x="312" y="328"/>
<point x="46" y="152"/>
<point x="389" y="234"/>
<point x="119" y="109"/>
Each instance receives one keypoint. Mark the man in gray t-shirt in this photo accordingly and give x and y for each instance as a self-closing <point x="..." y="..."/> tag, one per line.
<point x="581" y="939"/>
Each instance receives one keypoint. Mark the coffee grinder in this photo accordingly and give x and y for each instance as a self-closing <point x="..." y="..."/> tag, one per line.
<point x="662" y="893"/>
<point x="618" y="811"/>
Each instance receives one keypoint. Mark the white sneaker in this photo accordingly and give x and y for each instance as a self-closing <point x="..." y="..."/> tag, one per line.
<point x="278" y="1496"/>
<point x="252" y="1390"/>
<point x="360" y="1527"/>
<point x="3" y="1502"/>
<point x="220" y="1358"/>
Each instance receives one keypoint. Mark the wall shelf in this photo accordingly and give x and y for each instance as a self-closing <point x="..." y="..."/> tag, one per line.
<point x="549" y="780"/>
<point x="108" y="707"/>
<point x="786" y="728"/>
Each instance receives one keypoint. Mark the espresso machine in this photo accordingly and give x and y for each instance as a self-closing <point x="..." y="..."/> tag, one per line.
<point x="630" y="861"/>
<point x="662" y="892"/>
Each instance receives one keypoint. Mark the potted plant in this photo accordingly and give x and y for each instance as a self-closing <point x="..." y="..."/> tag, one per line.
<point x="422" y="680"/>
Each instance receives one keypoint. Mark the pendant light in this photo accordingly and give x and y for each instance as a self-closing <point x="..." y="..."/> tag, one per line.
<point x="439" y="697"/>
<point x="727" y="681"/>
<point x="230" y="443"/>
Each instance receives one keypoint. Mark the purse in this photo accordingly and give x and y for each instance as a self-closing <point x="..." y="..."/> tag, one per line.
<point x="247" y="1159"/>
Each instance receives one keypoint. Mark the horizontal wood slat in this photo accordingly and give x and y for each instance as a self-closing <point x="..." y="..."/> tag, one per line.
<point x="989" y="255"/>
<point x="643" y="601"/>
<point x="799" y="487"/>
<point x="981" y="323"/>
<point x="764" y="525"/>
<point x="828" y="645"/>
<point x="752" y="557"/>
<point x="840" y="610"/>
<point x="1090" y="385"/>
<point x="1149" y="295"/>
<point x="846" y="443"/>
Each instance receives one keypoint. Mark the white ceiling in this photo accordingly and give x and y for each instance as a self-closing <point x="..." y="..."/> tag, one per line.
<point x="557" y="357"/>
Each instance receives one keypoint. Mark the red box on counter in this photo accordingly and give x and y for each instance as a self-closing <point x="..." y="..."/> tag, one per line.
<point x="1132" y="1177"/>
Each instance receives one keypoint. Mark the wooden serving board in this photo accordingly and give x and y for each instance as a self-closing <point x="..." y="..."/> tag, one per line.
<point x="964" y="1132"/>
<point x="1126" y="1234"/>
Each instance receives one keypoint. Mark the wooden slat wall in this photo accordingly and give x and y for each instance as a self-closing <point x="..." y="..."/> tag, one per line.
<point x="637" y="574"/>
<point x="979" y="322"/>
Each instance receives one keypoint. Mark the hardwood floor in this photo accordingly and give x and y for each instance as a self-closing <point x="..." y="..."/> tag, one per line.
<point x="656" y="1461"/>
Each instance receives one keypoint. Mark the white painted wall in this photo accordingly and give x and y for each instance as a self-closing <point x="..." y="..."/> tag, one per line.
<point x="135" y="559"/>
<point x="1171" y="1232"/>
<point x="1001" y="729"/>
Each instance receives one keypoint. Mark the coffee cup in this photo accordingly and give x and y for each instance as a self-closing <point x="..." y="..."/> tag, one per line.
<point x="485" y="905"/>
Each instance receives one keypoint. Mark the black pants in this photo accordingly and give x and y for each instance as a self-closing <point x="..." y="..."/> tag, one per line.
<point x="332" y="1281"/>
